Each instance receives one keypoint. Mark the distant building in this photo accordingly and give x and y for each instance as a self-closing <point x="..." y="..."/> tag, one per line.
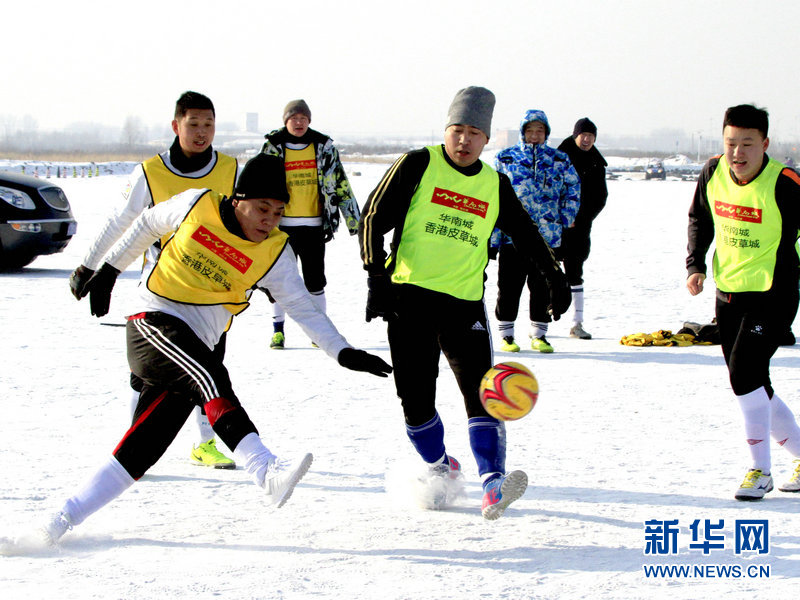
<point x="251" y="123"/>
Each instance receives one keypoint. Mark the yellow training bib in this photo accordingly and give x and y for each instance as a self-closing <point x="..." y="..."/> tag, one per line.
<point x="203" y="263"/>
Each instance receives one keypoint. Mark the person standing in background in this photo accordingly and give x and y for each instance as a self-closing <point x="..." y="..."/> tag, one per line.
<point x="575" y="242"/>
<point x="319" y="190"/>
<point x="549" y="189"/>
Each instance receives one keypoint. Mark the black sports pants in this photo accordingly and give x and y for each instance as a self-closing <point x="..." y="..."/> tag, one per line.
<point x="512" y="273"/>
<point x="431" y="323"/>
<point x="177" y="372"/>
<point x="751" y="325"/>
<point x="308" y="244"/>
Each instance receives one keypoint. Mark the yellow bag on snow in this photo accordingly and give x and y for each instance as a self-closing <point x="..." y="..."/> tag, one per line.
<point x="662" y="337"/>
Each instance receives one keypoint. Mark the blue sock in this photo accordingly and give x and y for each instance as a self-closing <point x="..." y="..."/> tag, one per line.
<point x="277" y="326"/>
<point x="487" y="438"/>
<point x="428" y="439"/>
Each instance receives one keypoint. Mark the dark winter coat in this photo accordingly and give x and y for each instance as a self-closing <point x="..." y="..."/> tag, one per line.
<point x="591" y="168"/>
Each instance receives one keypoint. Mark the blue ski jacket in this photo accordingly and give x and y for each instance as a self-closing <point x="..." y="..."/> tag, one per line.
<point x="545" y="182"/>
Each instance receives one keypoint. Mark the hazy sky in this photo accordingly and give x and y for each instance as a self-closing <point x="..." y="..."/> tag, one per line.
<point x="393" y="67"/>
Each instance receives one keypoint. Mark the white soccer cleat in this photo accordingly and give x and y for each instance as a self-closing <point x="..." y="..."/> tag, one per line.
<point x="793" y="485"/>
<point x="55" y="528"/>
<point x="449" y="468"/>
<point x="754" y="486"/>
<point x="441" y="486"/>
<point x="579" y="332"/>
<point x="282" y="476"/>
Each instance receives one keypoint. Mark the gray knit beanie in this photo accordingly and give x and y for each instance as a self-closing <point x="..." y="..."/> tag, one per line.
<point x="294" y="107"/>
<point x="472" y="106"/>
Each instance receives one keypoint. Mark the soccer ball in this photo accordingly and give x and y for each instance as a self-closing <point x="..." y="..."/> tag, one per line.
<point x="509" y="391"/>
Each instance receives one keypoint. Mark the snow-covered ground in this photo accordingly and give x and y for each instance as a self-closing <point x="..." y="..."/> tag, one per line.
<point x="620" y="436"/>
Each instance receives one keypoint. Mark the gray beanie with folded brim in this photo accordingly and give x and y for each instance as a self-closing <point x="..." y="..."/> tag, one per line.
<point x="472" y="106"/>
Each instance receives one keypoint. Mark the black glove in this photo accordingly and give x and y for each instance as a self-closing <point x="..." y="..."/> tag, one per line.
<point x="493" y="252"/>
<point x="78" y="280"/>
<point x="560" y="294"/>
<point x="380" y="299"/>
<point x="358" y="360"/>
<point x="327" y="235"/>
<point x="99" y="289"/>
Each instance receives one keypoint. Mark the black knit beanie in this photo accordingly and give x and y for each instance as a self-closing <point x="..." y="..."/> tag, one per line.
<point x="584" y="125"/>
<point x="263" y="176"/>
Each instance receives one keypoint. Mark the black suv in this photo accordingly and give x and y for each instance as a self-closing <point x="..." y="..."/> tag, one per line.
<point x="655" y="170"/>
<point x="35" y="218"/>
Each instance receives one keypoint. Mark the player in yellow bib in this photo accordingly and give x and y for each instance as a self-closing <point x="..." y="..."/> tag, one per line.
<point x="749" y="205"/>
<point x="222" y="249"/>
<point x="190" y="163"/>
<point x="320" y="192"/>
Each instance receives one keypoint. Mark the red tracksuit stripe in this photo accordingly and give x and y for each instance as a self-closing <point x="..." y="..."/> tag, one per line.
<point x="138" y="422"/>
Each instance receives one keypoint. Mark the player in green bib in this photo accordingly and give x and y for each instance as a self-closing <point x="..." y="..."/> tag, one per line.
<point x="749" y="205"/>
<point x="442" y="203"/>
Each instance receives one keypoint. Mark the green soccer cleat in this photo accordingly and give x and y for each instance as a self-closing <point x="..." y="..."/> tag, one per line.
<point x="207" y="455"/>
<point x="541" y="344"/>
<point x="509" y="345"/>
<point x="278" y="340"/>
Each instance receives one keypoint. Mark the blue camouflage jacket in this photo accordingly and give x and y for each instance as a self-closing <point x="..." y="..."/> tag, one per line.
<point x="545" y="181"/>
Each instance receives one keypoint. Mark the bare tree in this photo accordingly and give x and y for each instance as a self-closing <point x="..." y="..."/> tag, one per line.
<point x="132" y="132"/>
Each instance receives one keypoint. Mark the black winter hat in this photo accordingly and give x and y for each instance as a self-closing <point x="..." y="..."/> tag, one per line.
<point x="584" y="125"/>
<point x="263" y="176"/>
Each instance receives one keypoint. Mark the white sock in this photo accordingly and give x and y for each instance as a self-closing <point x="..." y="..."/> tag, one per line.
<point x="134" y="402"/>
<point x="577" y="304"/>
<point x="506" y="328"/>
<point x="757" y="416"/>
<point x="320" y="301"/>
<point x="107" y="483"/>
<point x="255" y="456"/>
<point x="538" y="329"/>
<point x="278" y="314"/>
<point x="204" y="431"/>
<point x="784" y="426"/>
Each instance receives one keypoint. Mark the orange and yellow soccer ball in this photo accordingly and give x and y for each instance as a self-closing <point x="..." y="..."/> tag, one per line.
<point x="509" y="391"/>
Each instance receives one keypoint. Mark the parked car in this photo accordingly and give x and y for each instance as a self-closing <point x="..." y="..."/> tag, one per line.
<point x="655" y="170"/>
<point x="35" y="219"/>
